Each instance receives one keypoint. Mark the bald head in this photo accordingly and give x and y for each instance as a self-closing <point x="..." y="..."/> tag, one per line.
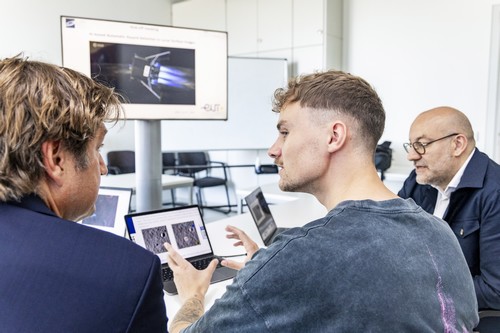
<point x="445" y="120"/>
<point x="447" y="140"/>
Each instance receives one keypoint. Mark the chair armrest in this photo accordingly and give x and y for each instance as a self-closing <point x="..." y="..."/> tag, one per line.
<point x="221" y="165"/>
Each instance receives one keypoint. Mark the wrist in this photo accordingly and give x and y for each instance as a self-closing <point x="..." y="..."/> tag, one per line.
<point x="198" y="297"/>
<point x="194" y="295"/>
<point x="192" y="309"/>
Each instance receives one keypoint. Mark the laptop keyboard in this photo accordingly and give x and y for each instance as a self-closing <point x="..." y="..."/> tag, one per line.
<point x="167" y="274"/>
<point x="198" y="264"/>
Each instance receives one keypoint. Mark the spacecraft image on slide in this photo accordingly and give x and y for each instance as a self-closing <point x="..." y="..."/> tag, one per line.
<point x="146" y="74"/>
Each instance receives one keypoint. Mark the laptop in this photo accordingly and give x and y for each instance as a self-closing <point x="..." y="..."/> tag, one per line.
<point x="262" y="216"/>
<point x="111" y="206"/>
<point x="183" y="227"/>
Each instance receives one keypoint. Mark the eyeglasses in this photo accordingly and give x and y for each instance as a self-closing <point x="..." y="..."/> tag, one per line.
<point x="419" y="147"/>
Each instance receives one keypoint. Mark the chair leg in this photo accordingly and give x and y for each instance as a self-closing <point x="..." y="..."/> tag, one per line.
<point x="199" y="200"/>
<point x="172" y="194"/>
<point x="228" y="201"/>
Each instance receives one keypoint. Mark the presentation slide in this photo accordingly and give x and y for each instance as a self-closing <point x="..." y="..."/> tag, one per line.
<point x="162" y="72"/>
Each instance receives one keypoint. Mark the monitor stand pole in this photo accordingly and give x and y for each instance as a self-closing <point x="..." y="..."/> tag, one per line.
<point x="148" y="169"/>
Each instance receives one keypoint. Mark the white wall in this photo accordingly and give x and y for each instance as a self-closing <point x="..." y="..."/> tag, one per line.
<point x="422" y="54"/>
<point x="32" y="26"/>
<point x="417" y="54"/>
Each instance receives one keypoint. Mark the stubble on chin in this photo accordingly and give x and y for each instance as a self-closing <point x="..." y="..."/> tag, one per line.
<point x="420" y="180"/>
<point x="424" y="179"/>
<point x="287" y="186"/>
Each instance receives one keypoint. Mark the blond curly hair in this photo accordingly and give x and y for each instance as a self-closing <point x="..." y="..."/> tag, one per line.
<point x="40" y="102"/>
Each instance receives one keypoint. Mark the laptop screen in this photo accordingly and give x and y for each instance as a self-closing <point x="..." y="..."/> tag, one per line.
<point x="111" y="206"/>
<point x="261" y="213"/>
<point x="182" y="227"/>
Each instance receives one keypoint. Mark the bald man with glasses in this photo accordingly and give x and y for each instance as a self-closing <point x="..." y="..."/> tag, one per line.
<point x="453" y="180"/>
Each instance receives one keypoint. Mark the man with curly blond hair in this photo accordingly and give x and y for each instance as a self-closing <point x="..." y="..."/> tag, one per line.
<point x="57" y="275"/>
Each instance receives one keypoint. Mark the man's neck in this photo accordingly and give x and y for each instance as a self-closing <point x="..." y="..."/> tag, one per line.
<point x="361" y="184"/>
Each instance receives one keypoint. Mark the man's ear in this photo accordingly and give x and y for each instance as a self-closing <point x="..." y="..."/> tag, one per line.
<point x="337" y="135"/>
<point x="460" y="143"/>
<point x="53" y="157"/>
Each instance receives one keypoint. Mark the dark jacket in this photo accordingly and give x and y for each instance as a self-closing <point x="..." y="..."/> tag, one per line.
<point x="474" y="216"/>
<point x="60" y="276"/>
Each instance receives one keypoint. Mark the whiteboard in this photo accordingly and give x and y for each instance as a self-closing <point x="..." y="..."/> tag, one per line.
<point x="251" y="123"/>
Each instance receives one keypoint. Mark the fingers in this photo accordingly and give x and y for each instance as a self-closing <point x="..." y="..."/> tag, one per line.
<point x="232" y="264"/>
<point x="243" y="240"/>
<point x="232" y="236"/>
<point x="211" y="268"/>
<point x="173" y="258"/>
<point x="234" y="230"/>
<point x="235" y="233"/>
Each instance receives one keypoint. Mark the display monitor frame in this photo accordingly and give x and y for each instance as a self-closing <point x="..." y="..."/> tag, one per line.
<point x="163" y="72"/>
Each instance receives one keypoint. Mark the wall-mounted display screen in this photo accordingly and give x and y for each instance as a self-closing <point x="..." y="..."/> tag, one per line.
<point x="162" y="72"/>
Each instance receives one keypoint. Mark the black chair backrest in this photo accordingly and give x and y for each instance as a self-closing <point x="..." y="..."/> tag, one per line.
<point x="169" y="163"/>
<point x="168" y="159"/>
<point x="192" y="158"/>
<point x="266" y="168"/>
<point x="124" y="160"/>
<point x="383" y="156"/>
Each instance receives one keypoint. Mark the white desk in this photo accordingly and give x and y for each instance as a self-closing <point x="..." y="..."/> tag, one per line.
<point x="127" y="180"/>
<point x="272" y="193"/>
<point x="288" y="214"/>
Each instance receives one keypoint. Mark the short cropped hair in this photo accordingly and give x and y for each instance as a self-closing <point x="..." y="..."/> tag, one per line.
<point x="40" y="102"/>
<point x="342" y="93"/>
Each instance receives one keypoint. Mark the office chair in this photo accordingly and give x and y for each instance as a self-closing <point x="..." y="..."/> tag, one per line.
<point x="169" y="163"/>
<point x="489" y="321"/>
<point x="169" y="167"/>
<point x="121" y="161"/>
<point x="383" y="158"/>
<point x="266" y="168"/>
<point x="198" y="166"/>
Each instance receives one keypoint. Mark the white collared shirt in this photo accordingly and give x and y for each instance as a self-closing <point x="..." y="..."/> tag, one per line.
<point x="443" y="197"/>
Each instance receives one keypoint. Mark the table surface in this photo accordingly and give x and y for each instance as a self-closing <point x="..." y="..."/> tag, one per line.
<point x="273" y="193"/>
<point x="128" y="180"/>
<point x="287" y="214"/>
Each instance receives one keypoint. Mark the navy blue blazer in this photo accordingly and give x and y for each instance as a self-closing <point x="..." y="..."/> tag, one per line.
<point x="474" y="216"/>
<point x="60" y="276"/>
